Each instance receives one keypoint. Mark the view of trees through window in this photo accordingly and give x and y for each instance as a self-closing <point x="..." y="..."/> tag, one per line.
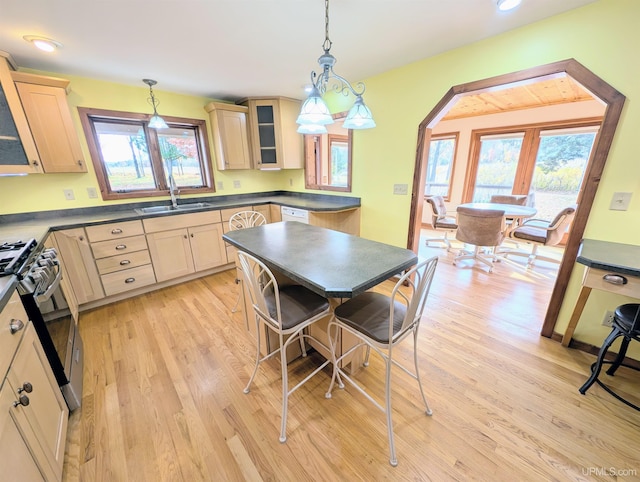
<point x="553" y="179"/>
<point x="440" y="165"/>
<point x="133" y="160"/>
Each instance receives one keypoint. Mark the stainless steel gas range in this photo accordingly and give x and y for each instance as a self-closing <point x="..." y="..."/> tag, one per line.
<point x="39" y="272"/>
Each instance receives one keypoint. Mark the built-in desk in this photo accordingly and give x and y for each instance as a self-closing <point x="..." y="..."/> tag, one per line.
<point x="612" y="267"/>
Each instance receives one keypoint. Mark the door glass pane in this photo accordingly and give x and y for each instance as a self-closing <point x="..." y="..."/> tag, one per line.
<point x="339" y="162"/>
<point x="125" y="155"/>
<point x="497" y="165"/>
<point x="440" y="166"/>
<point x="180" y="156"/>
<point x="559" y="169"/>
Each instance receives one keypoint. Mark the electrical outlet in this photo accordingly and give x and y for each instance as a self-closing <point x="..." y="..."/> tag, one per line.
<point x="608" y="319"/>
<point x="290" y="181"/>
<point x="220" y="185"/>
<point x="92" y="193"/>
<point x="236" y="184"/>
<point x="68" y="194"/>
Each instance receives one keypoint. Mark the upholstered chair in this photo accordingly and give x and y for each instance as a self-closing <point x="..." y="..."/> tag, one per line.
<point x="440" y="221"/>
<point x="482" y="228"/>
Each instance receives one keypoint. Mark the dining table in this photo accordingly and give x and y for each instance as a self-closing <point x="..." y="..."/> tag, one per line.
<point x="511" y="211"/>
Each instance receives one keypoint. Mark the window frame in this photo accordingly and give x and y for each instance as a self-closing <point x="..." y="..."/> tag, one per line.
<point x="439" y="137"/>
<point x="90" y="115"/>
<point x="313" y="150"/>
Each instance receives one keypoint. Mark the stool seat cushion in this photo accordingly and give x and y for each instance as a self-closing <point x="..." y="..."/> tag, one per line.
<point x="368" y="313"/>
<point x="297" y="304"/>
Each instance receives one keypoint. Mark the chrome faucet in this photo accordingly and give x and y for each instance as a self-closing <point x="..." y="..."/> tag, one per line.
<point x="173" y="189"/>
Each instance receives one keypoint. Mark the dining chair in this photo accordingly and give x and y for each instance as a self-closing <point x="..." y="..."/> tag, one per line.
<point x="440" y="221"/>
<point x="287" y="311"/>
<point x="626" y="324"/>
<point x="243" y="220"/>
<point x="539" y="232"/>
<point x="381" y="322"/>
<point x="482" y="228"/>
<point x="517" y="199"/>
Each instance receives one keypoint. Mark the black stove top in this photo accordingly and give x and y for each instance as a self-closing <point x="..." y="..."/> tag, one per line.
<point x="14" y="255"/>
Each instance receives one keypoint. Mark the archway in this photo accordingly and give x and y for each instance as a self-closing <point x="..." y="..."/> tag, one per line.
<point x="610" y="97"/>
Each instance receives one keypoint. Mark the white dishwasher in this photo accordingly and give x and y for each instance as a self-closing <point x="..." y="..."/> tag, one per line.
<point x="294" y="214"/>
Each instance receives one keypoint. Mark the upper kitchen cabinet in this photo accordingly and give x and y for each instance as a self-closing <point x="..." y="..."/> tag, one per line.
<point x="230" y="135"/>
<point x="36" y="130"/>
<point x="44" y="100"/>
<point x="18" y="152"/>
<point x="275" y="142"/>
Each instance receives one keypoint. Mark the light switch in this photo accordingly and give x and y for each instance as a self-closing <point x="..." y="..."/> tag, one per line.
<point x="92" y="193"/>
<point x="220" y="185"/>
<point x="401" y="189"/>
<point x="236" y="184"/>
<point x="620" y="201"/>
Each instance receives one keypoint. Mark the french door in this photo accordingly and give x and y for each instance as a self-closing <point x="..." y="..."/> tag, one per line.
<point x="546" y="162"/>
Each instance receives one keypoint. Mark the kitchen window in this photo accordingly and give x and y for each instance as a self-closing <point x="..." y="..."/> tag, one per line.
<point x="133" y="160"/>
<point x="328" y="158"/>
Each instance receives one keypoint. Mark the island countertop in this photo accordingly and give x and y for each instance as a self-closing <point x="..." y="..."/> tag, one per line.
<point x="330" y="263"/>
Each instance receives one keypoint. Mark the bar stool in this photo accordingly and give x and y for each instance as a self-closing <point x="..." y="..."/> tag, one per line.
<point x="626" y="323"/>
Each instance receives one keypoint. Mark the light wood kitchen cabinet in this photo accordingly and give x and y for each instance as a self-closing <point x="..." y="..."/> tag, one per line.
<point x="194" y="245"/>
<point x="274" y="139"/>
<point x="18" y="152"/>
<point x="230" y="135"/>
<point x="121" y="255"/>
<point x="33" y="413"/>
<point x="44" y="100"/>
<point x="77" y="257"/>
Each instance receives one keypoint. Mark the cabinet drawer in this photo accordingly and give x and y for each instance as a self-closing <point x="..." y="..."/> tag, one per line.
<point x="114" y="230"/>
<point x="594" y="278"/>
<point x="123" y="261"/>
<point x="115" y="247"/>
<point x="9" y="341"/>
<point x="128" y="279"/>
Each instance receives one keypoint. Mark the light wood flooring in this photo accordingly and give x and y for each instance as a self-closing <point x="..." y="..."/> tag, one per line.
<point x="163" y="399"/>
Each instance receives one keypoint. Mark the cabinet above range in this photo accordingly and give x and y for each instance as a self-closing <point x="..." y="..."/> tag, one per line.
<point x="37" y="134"/>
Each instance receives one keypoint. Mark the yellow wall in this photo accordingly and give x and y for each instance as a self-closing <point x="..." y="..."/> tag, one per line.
<point x="43" y="192"/>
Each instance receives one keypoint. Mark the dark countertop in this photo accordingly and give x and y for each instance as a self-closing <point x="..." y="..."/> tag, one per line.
<point x="23" y="226"/>
<point x="37" y="225"/>
<point x="330" y="263"/>
<point x="614" y="257"/>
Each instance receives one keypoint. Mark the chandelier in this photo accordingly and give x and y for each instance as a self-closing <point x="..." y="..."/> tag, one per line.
<point x="156" y="122"/>
<point x="314" y="114"/>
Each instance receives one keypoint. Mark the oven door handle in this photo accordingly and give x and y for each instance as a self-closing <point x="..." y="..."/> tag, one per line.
<point x="42" y="297"/>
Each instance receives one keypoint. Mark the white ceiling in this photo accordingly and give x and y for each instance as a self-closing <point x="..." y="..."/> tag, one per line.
<point x="228" y="49"/>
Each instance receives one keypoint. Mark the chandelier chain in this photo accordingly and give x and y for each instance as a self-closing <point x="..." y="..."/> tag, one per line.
<point x="327" y="42"/>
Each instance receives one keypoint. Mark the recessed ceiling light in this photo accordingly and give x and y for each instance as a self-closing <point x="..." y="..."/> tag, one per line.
<point x="505" y="5"/>
<point x="43" y="43"/>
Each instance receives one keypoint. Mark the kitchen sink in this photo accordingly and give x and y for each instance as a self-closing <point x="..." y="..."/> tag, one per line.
<point x="171" y="209"/>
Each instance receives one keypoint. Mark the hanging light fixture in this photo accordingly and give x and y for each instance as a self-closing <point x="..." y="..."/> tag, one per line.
<point x="314" y="113"/>
<point x="156" y="122"/>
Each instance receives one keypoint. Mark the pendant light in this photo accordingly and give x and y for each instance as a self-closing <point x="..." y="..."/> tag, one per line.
<point x="314" y="113"/>
<point x="156" y="122"/>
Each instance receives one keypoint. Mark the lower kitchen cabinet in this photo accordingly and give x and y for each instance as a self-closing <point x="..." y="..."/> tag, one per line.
<point x="77" y="257"/>
<point x="195" y="245"/>
<point x="33" y="413"/>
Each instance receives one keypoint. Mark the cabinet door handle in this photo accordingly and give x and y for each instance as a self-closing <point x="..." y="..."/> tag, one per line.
<point x="125" y="262"/>
<point x="191" y="235"/>
<point x="26" y="387"/>
<point x="116" y="231"/>
<point x="79" y="163"/>
<point x="129" y="280"/>
<point x="121" y="247"/>
<point x="185" y="236"/>
<point x="22" y="400"/>
<point x="15" y="326"/>
<point x="35" y="163"/>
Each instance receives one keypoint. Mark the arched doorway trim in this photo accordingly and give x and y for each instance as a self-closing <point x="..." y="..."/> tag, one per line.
<point x="610" y="97"/>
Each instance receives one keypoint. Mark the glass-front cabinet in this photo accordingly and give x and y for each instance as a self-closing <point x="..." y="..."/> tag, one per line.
<point x="275" y="142"/>
<point x="18" y="153"/>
